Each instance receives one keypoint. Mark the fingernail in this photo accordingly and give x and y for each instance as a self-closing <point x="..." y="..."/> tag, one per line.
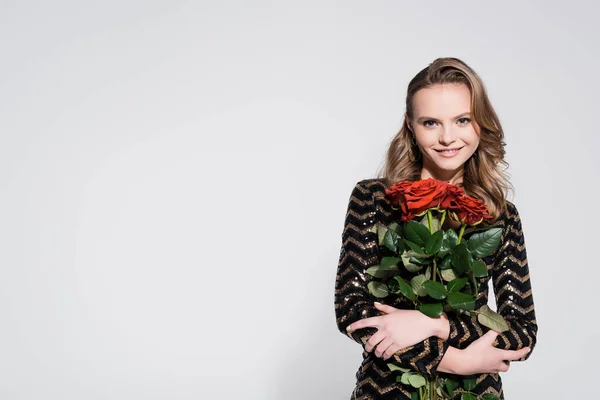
<point x="377" y="303"/>
<point x="348" y="329"/>
<point x="528" y="349"/>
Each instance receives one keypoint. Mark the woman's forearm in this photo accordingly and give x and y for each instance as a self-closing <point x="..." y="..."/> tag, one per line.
<point x="452" y="362"/>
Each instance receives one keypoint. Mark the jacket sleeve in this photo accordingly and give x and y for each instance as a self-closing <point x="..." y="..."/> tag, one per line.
<point x="514" y="299"/>
<point x="353" y="301"/>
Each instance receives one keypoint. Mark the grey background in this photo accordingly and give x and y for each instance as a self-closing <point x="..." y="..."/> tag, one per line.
<point x="175" y="175"/>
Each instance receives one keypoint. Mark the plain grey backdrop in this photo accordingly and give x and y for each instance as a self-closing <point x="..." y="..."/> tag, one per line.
<point x="175" y="175"/>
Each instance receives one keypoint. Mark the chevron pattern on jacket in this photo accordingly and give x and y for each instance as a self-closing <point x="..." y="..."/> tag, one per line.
<point x="511" y="282"/>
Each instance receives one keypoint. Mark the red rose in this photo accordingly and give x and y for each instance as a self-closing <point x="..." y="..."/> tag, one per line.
<point x="468" y="210"/>
<point x="449" y="200"/>
<point x="416" y="197"/>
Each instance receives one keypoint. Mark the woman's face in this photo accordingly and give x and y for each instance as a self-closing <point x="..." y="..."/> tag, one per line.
<point x="444" y="131"/>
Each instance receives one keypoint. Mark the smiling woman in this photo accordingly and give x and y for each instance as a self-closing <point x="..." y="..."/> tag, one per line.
<point x="445" y="136"/>
<point x="450" y="133"/>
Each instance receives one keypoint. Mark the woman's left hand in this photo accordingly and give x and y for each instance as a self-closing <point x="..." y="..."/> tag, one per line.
<point x="396" y="329"/>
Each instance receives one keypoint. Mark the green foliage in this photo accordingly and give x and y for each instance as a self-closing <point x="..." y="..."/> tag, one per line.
<point x="378" y="289"/>
<point x="479" y="269"/>
<point x="427" y="265"/>
<point x="383" y="272"/>
<point x="416" y="233"/>
<point x="434" y="243"/>
<point x="469" y="383"/>
<point x="435" y="290"/>
<point x="456" y="285"/>
<point x="461" y="301"/>
<point x="490" y="318"/>
<point x="417" y="285"/>
<point x="432" y="309"/>
<point x="483" y="244"/>
<point x="405" y="288"/>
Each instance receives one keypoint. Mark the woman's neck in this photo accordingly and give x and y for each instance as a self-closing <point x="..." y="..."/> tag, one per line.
<point x="454" y="178"/>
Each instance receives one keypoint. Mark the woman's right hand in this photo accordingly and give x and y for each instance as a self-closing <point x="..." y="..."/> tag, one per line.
<point x="482" y="357"/>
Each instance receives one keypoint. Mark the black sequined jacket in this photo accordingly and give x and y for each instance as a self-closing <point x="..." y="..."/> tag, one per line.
<point x="511" y="282"/>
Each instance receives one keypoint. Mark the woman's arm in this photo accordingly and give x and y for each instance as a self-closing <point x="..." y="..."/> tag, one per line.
<point x="514" y="299"/>
<point x="353" y="301"/>
<point x="479" y="357"/>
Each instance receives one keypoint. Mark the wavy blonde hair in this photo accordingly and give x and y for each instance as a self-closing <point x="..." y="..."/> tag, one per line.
<point x="485" y="175"/>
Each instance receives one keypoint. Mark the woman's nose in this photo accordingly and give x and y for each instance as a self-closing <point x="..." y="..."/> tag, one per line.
<point x="447" y="136"/>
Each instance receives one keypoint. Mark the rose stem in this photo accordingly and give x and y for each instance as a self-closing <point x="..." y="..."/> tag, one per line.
<point x="462" y="230"/>
<point x="429" y="220"/>
<point x="475" y="289"/>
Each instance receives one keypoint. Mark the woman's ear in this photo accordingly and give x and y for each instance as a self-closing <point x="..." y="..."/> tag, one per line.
<point x="408" y="122"/>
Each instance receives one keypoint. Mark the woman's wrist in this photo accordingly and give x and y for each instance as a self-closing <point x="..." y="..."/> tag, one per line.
<point x="441" y="327"/>
<point x="453" y="361"/>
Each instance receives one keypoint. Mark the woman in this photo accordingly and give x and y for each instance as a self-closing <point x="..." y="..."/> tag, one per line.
<point x="450" y="133"/>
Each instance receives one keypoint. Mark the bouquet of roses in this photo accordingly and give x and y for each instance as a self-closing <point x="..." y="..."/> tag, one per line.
<point x="436" y="269"/>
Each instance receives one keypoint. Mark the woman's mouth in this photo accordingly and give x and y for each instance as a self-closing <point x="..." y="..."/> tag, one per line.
<point x="449" y="152"/>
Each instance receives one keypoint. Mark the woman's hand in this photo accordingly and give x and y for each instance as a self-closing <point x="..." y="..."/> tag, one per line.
<point x="482" y="357"/>
<point x="396" y="329"/>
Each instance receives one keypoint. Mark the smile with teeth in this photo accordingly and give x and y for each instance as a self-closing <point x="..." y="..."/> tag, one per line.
<point x="448" y="152"/>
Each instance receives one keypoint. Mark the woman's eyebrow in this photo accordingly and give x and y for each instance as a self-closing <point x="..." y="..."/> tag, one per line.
<point x="424" y="118"/>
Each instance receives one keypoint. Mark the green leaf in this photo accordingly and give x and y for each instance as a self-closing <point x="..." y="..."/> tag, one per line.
<point x="405" y="288"/>
<point x="491" y="319"/>
<point x="419" y="258"/>
<point x="435" y="290"/>
<point x="404" y="378"/>
<point x="490" y="396"/>
<point x="416" y="380"/>
<point x="462" y="259"/>
<point x="468" y="396"/>
<point x="446" y="263"/>
<point x="416" y="233"/>
<point x="389" y="261"/>
<point x="390" y="240"/>
<point x="470" y="383"/>
<point x="458" y="263"/>
<point x="434" y="243"/>
<point x="448" y="274"/>
<point x="415" y="247"/>
<point x="449" y="242"/>
<point x="378" y="289"/>
<point x="383" y="272"/>
<point x="485" y="243"/>
<point x="456" y="284"/>
<point x="380" y="229"/>
<point x="432" y="309"/>
<point x="400" y="245"/>
<point x="409" y="265"/>
<point x="417" y="285"/>
<point x="451" y="385"/>
<point x="394" y="367"/>
<point x="461" y="301"/>
<point x="479" y="269"/>
<point x="414" y="395"/>
<point x="439" y="391"/>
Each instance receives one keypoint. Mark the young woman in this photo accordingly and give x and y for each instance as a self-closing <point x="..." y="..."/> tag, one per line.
<point x="450" y="133"/>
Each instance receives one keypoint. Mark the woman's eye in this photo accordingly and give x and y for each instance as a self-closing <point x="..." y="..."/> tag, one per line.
<point x="466" y="120"/>
<point x="428" y="121"/>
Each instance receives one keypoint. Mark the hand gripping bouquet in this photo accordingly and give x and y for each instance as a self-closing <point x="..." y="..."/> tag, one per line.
<point x="435" y="269"/>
